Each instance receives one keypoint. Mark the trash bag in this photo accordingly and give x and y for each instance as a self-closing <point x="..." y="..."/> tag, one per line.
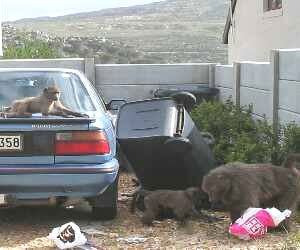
<point x="67" y="236"/>
<point x="255" y="222"/>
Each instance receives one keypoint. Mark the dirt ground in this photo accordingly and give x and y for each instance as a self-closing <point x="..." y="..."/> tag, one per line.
<point x="27" y="228"/>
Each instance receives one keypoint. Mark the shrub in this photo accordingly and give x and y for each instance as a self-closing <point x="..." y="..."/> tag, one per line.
<point x="30" y="49"/>
<point x="289" y="140"/>
<point x="239" y="137"/>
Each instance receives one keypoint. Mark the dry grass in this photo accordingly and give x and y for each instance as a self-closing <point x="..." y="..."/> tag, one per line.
<point x="27" y="228"/>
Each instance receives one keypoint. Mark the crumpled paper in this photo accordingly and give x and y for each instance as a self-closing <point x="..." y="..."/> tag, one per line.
<point x="67" y="236"/>
<point x="133" y="240"/>
<point x="254" y="223"/>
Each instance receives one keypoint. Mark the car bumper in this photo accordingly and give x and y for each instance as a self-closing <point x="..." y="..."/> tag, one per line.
<point x="42" y="182"/>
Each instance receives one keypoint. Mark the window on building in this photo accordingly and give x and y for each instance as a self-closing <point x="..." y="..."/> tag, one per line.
<point x="274" y="4"/>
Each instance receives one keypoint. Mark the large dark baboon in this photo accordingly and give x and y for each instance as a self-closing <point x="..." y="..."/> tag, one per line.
<point x="238" y="186"/>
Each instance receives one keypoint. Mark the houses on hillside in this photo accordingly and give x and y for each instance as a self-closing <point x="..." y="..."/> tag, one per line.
<point x="254" y="27"/>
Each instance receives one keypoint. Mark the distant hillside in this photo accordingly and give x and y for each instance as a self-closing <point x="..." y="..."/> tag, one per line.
<point x="169" y="31"/>
<point x="36" y="44"/>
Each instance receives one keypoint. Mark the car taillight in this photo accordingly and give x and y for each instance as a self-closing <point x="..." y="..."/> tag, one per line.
<point x="81" y="143"/>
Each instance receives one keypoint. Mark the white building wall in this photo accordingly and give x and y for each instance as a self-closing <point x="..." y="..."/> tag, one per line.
<point x="255" y="32"/>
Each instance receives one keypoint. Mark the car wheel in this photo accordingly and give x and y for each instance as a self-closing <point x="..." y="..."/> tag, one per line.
<point x="104" y="206"/>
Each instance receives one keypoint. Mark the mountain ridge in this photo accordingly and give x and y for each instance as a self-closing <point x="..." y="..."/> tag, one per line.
<point x="172" y="30"/>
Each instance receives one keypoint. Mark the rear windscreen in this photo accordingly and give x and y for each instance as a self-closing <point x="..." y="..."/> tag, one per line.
<point x="17" y="85"/>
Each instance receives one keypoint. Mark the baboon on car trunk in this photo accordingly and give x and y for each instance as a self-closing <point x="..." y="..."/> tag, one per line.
<point x="47" y="103"/>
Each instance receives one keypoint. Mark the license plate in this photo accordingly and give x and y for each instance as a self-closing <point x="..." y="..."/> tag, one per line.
<point x="3" y="199"/>
<point x="6" y="200"/>
<point x="11" y="142"/>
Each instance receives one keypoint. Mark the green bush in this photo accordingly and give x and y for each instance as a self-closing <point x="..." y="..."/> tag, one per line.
<point x="239" y="137"/>
<point x="30" y="49"/>
<point x="289" y="140"/>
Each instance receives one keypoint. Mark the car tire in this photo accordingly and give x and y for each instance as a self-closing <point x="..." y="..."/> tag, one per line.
<point x="104" y="206"/>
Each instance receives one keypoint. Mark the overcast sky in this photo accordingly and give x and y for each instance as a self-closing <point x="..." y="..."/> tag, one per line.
<point x="17" y="9"/>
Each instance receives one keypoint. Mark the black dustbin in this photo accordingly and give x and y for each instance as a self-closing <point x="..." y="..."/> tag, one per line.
<point x="161" y="142"/>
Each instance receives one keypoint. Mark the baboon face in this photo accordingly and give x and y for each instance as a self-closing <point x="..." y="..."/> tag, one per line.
<point x="216" y="186"/>
<point x="52" y="93"/>
<point x="198" y="197"/>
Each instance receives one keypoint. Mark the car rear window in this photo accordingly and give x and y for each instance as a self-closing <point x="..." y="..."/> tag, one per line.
<point x="17" y="85"/>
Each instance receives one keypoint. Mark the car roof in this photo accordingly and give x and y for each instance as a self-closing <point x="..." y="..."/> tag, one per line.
<point x="40" y="69"/>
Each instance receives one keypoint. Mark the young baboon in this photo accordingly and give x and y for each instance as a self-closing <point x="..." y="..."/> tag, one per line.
<point x="47" y="103"/>
<point x="238" y="186"/>
<point x="182" y="203"/>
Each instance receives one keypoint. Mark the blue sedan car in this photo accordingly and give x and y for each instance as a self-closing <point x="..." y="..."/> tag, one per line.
<point x="52" y="159"/>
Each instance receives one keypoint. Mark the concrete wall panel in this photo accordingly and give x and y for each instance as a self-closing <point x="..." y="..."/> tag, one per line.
<point x="256" y="75"/>
<point x="260" y="99"/>
<point x="286" y="116"/>
<point x="225" y="94"/>
<point x="289" y="64"/>
<point x="224" y="76"/>
<point x="289" y="95"/>
<point x="142" y="74"/>
<point x="134" y="92"/>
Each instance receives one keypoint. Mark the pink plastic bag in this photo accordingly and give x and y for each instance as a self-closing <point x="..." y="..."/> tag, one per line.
<point x="255" y="222"/>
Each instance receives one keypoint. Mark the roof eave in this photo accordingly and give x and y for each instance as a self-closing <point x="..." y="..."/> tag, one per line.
<point x="228" y="22"/>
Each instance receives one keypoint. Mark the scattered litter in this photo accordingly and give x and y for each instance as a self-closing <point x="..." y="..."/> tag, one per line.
<point x="92" y="231"/>
<point x="67" y="236"/>
<point x="113" y="235"/>
<point x="133" y="240"/>
<point x="89" y="246"/>
<point x="255" y="222"/>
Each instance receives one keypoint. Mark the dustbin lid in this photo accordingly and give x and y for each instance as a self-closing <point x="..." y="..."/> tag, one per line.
<point x="147" y="118"/>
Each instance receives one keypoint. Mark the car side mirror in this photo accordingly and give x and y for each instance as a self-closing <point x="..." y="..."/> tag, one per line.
<point x="115" y="104"/>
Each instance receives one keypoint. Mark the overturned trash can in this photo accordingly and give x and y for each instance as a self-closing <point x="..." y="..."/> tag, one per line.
<point x="161" y="142"/>
<point x="200" y="92"/>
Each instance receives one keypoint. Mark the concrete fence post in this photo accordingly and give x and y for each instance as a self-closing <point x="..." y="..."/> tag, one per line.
<point x="236" y="83"/>
<point x="89" y="69"/>
<point x="275" y="88"/>
<point x="211" y="75"/>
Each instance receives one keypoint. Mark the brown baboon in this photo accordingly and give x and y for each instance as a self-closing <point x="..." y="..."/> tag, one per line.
<point x="238" y="186"/>
<point x="47" y="103"/>
<point x="182" y="203"/>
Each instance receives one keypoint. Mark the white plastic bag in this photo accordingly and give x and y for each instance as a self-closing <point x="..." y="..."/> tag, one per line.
<point x="67" y="236"/>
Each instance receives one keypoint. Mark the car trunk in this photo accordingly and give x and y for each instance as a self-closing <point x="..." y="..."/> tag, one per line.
<point x="32" y="140"/>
